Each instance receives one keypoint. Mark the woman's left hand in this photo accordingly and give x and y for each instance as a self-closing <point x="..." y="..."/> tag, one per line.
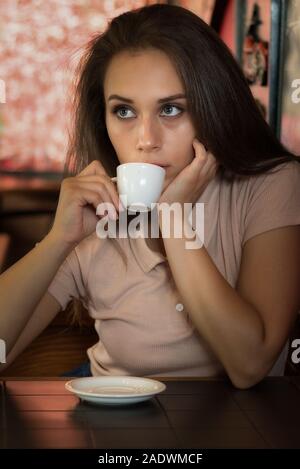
<point x="189" y="184"/>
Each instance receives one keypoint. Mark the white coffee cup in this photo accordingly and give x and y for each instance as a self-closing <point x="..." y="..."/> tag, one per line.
<point x="139" y="185"/>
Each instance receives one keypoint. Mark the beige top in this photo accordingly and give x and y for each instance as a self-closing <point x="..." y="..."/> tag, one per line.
<point x="143" y="326"/>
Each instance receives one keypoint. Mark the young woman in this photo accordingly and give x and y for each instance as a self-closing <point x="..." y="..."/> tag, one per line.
<point x="159" y="86"/>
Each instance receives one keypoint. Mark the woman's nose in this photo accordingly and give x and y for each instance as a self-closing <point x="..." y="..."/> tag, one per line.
<point x="149" y="135"/>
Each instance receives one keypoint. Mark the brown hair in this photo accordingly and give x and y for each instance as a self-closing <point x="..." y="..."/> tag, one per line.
<point x="225" y="115"/>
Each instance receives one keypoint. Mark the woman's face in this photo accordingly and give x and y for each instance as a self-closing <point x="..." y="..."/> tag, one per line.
<point x="145" y="129"/>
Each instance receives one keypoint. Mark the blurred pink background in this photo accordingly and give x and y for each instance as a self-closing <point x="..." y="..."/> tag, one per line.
<point x="41" y="43"/>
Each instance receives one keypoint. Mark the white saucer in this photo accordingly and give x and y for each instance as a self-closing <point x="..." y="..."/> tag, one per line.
<point x="115" y="390"/>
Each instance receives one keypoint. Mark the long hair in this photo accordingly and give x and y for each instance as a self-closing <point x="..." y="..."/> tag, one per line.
<point x="223" y="110"/>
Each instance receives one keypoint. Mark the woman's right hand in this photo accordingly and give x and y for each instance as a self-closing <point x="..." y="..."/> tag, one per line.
<point x="79" y="197"/>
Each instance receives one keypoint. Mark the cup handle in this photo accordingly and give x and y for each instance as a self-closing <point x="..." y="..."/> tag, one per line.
<point x="114" y="179"/>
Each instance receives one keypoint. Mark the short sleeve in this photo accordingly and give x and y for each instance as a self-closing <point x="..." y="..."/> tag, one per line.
<point x="274" y="201"/>
<point x="68" y="282"/>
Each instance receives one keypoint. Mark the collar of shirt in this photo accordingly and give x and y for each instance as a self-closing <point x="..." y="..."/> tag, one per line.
<point x="145" y="257"/>
<point x="148" y="259"/>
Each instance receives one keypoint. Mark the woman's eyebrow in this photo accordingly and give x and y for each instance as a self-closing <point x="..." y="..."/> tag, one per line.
<point x="162" y="100"/>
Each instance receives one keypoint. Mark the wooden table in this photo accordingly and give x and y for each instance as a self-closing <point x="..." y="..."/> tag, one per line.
<point x="192" y="413"/>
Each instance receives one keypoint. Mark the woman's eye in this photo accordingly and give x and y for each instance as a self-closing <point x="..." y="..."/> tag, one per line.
<point x="120" y="111"/>
<point x="168" y="106"/>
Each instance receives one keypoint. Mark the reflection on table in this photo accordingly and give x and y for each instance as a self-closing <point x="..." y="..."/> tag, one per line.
<point x="190" y="413"/>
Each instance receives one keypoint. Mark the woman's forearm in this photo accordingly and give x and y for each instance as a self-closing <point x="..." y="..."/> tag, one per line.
<point x="230" y="325"/>
<point x="23" y="285"/>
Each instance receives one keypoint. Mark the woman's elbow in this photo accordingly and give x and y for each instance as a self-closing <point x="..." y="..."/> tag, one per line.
<point x="248" y="377"/>
<point x="246" y="383"/>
